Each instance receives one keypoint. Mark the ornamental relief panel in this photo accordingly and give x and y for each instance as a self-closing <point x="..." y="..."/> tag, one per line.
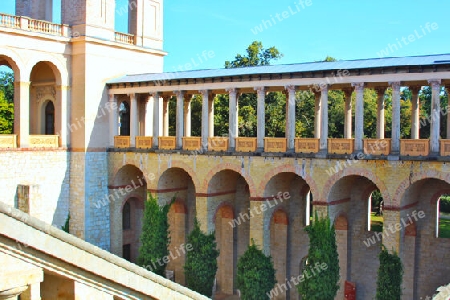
<point x="45" y="92"/>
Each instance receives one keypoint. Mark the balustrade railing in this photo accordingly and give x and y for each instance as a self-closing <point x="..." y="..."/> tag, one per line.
<point x="28" y="24"/>
<point x="125" y="38"/>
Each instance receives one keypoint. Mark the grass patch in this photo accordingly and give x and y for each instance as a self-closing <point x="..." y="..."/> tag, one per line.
<point x="376" y="222"/>
<point x="444" y="228"/>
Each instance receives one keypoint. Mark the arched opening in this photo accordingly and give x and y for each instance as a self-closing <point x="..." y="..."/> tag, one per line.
<point x="229" y="196"/>
<point x="358" y="248"/>
<point x="49" y="118"/>
<point x="124" y="118"/>
<point x="422" y="205"/>
<point x="177" y="183"/>
<point x="127" y="193"/>
<point x="375" y="205"/>
<point x="45" y="108"/>
<point x="288" y="198"/>
<point x="443" y="217"/>
<point x="7" y="93"/>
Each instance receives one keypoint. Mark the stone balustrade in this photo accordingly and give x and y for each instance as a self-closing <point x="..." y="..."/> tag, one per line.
<point x="44" y="141"/>
<point x="377" y="146"/>
<point x="8" y="141"/>
<point x="167" y="142"/>
<point x="28" y="24"/>
<point x="245" y="144"/>
<point x="415" y="147"/>
<point x="306" y="145"/>
<point x="218" y="144"/>
<point x="340" y="146"/>
<point x="275" y="144"/>
<point x="192" y="143"/>
<point x="144" y="142"/>
<point x="124" y="38"/>
<point x="122" y="141"/>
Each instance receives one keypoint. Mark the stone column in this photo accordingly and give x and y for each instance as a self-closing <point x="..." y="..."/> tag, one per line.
<point x="233" y="118"/>
<point x="359" y="115"/>
<point x="113" y="119"/>
<point x="380" y="112"/>
<point x="61" y="114"/>
<point x="395" y="142"/>
<point x="415" y="110"/>
<point x="205" y="119"/>
<point x="348" y="113"/>
<point x="435" y="115"/>
<point x="324" y="118"/>
<point x="318" y="114"/>
<point x="187" y="115"/>
<point x="134" y="130"/>
<point x="261" y="118"/>
<point x="290" y="117"/>
<point x="156" y="122"/>
<point x="211" y="116"/>
<point x="180" y="121"/>
<point x="22" y="112"/>
<point x="149" y="104"/>
<point x="166" y="115"/>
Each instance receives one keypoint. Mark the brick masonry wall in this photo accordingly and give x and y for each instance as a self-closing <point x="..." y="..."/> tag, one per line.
<point x="48" y="172"/>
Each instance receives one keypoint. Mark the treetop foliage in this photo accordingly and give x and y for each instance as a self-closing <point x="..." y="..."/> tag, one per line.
<point x="256" y="56"/>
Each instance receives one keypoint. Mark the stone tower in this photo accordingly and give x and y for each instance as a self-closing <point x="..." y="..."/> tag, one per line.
<point x="35" y="9"/>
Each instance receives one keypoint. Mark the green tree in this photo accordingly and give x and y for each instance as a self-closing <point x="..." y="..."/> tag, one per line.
<point x="322" y="251"/>
<point x="6" y="115"/>
<point x="155" y="236"/>
<point x="256" y="56"/>
<point x="7" y="85"/>
<point x="390" y="276"/>
<point x="201" y="262"/>
<point x="255" y="274"/>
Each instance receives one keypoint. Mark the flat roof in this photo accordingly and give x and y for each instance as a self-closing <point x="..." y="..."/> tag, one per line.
<point x="423" y="60"/>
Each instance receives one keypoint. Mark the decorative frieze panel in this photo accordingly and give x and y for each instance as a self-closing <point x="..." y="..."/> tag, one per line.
<point x="445" y="147"/>
<point x="167" y="142"/>
<point x="192" y="143"/>
<point x="306" y="145"/>
<point x="414" y="147"/>
<point x="122" y="141"/>
<point x="44" y="141"/>
<point x="340" y="146"/>
<point x="275" y="144"/>
<point x="245" y="144"/>
<point x="8" y="141"/>
<point x="218" y="144"/>
<point x="377" y="146"/>
<point x="144" y="142"/>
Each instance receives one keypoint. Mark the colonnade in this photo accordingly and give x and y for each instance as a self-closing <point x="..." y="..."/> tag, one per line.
<point x="160" y="123"/>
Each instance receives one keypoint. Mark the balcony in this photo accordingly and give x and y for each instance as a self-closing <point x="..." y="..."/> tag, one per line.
<point x="124" y="38"/>
<point x="415" y="147"/>
<point x="40" y="26"/>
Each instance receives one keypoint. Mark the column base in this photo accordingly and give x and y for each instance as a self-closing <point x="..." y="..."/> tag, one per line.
<point x="322" y="154"/>
<point x="393" y="156"/>
<point x="260" y="149"/>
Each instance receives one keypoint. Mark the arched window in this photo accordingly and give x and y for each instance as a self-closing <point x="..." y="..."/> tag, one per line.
<point x="49" y="118"/>
<point x="126" y="216"/>
<point x="124" y="114"/>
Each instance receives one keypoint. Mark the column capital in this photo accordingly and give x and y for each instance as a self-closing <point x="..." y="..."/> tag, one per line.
<point x="415" y="89"/>
<point x="359" y="86"/>
<point x="395" y="84"/>
<point x="204" y="92"/>
<point x="112" y="98"/>
<point x="324" y="87"/>
<point x="179" y="94"/>
<point x="154" y="94"/>
<point x="381" y="90"/>
<point x="290" y="88"/>
<point x="232" y="91"/>
<point x="260" y="89"/>
<point x="435" y="83"/>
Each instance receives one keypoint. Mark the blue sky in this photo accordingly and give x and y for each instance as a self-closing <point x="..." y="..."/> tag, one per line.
<point x="205" y="33"/>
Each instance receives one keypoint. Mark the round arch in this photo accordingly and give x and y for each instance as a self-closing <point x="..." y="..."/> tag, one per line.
<point x="59" y="69"/>
<point x="230" y="167"/>
<point x="13" y="60"/>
